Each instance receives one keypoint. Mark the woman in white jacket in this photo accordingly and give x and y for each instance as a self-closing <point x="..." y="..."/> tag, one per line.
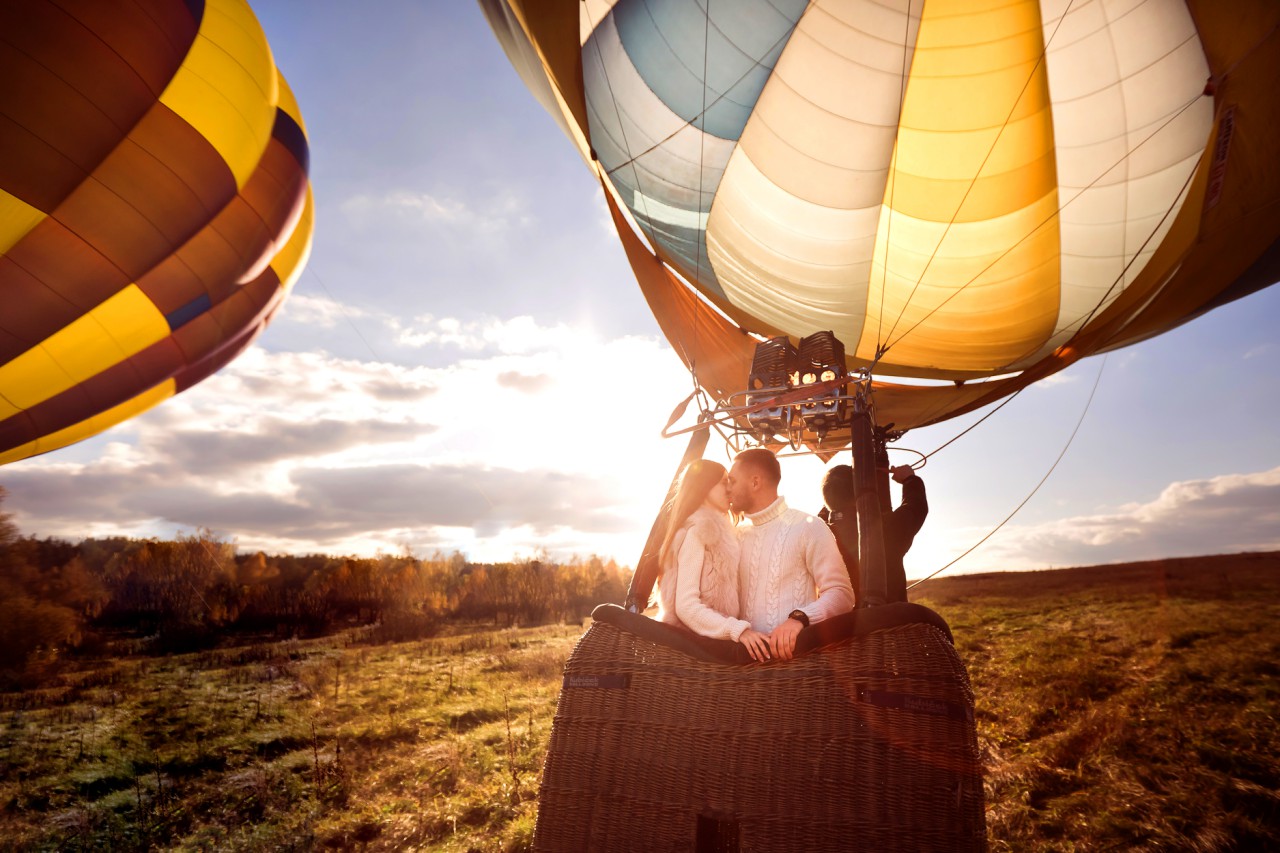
<point x="698" y="578"/>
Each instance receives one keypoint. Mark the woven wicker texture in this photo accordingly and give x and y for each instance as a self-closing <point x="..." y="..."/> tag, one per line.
<point x="867" y="744"/>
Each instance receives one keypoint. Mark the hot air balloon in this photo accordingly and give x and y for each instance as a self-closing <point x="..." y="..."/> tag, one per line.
<point x="933" y="204"/>
<point x="971" y="195"/>
<point x="154" y="206"/>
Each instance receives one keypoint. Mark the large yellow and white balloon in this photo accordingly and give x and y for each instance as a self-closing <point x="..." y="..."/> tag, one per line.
<point x="967" y="192"/>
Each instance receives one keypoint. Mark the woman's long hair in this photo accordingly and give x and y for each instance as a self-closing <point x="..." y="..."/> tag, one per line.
<point x="697" y="480"/>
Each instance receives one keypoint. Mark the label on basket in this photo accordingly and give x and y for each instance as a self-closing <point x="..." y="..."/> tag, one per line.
<point x="919" y="704"/>
<point x="615" y="682"/>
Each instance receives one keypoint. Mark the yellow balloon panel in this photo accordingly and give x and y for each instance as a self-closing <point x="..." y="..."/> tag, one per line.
<point x="226" y="88"/>
<point x="17" y="218"/>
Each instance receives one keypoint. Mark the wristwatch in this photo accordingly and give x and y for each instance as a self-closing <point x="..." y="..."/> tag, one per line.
<point x="800" y="616"/>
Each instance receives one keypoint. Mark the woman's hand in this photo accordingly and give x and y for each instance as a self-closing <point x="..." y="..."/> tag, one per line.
<point x="757" y="644"/>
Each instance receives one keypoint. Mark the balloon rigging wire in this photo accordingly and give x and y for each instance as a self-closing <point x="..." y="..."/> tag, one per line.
<point x="1003" y="403"/>
<point x="1084" y="321"/>
<point x="343" y="310"/>
<point x="1088" y="316"/>
<point x="1040" y="60"/>
<point x="893" y="185"/>
<point x="700" y="232"/>
<point x="651" y="232"/>
<point x="217" y="563"/>
<point x="673" y="134"/>
<point x="1025" y="500"/>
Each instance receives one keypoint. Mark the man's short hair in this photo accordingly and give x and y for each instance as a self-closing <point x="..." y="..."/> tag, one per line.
<point x="762" y="461"/>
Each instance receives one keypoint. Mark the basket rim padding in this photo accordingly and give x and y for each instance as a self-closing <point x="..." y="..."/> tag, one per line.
<point x="856" y="623"/>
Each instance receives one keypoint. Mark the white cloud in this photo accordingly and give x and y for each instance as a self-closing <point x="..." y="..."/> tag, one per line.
<point x="1053" y="380"/>
<point x="527" y="384"/>
<point x="320" y="311"/>
<point x="518" y="335"/>
<point x="1225" y="514"/>
<point x="546" y="438"/>
<point x="500" y="211"/>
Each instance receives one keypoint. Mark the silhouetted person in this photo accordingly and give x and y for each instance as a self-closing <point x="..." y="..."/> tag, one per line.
<point x="900" y="525"/>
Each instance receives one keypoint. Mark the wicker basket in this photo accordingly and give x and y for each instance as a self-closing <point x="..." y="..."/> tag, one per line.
<point x="866" y="743"/>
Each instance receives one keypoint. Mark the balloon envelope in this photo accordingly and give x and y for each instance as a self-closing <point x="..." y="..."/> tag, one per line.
<point x="154" y="206"/>
<point x="970" y="194"/>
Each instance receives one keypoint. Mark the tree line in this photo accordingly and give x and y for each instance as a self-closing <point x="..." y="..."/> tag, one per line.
<point x="59" y="597"/>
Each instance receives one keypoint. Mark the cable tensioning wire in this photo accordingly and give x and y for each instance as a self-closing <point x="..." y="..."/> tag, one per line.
<point x="1058" y="213"/>
<point x="626" y="146"/>
<point x="1016" y="509"/>
<point x="974" y="180"/>
<point x="705" y="107"/>
<point x="1085" y="318"/>
<point x="893" y="188"/>
<point x="961" y="434"/>
<point x="1124" y="272"/>
<point x="701" y="241"/>
<point x="342" y="308"/>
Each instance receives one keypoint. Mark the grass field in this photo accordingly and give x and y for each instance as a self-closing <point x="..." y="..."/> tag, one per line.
<point x="1125" y="708"/>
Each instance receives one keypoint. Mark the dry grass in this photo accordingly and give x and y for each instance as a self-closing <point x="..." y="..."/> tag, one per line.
<point x="1125" y="708"/>
<point x="434" y="744"/>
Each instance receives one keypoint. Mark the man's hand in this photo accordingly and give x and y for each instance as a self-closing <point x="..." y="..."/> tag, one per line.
<point x="757" y="644"/>
<point x="782" y="640"/>
<point x="902" y="473"/>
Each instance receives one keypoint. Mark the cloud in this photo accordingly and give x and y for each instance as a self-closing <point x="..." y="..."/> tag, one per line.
<point x="459" y="496"/>
<point x="329" y="506"/>
<point x="305" y="451"/>
<point x="398" y="391"/>
<point x="486" y="335"/>
<point x="1054" y="380"/>
<point x="1225" y="514"/>
<point x="320" y="311"/>
<point x="274" y="439"/>
<point x="500" y="211"/>
<point x="521" y="382"/>
<point x="313" y="383"/>
<point x="515" y="336"/>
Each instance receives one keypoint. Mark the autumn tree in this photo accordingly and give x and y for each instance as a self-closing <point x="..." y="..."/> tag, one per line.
<point x="42" y="612"/>
<point x="185" y="589"/>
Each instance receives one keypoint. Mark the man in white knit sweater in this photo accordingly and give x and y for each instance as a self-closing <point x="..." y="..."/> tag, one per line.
<point x="791" y="573"/>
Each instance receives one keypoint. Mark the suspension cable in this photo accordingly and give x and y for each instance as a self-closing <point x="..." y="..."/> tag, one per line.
<point x="1016" y="509"/>
<point x="1006" y="401"/>
<point x="1058" y="213"/>
<point x="893" y="184"/>
<point x="651" y="232"/>
<point x="343" y="310"/>
<point x="705" y="106"/>
<point x="1044" y="51"/>
<point x="700" y="230"/>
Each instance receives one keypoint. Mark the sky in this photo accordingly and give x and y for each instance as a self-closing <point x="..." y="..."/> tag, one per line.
<point x="467" y="364"/>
